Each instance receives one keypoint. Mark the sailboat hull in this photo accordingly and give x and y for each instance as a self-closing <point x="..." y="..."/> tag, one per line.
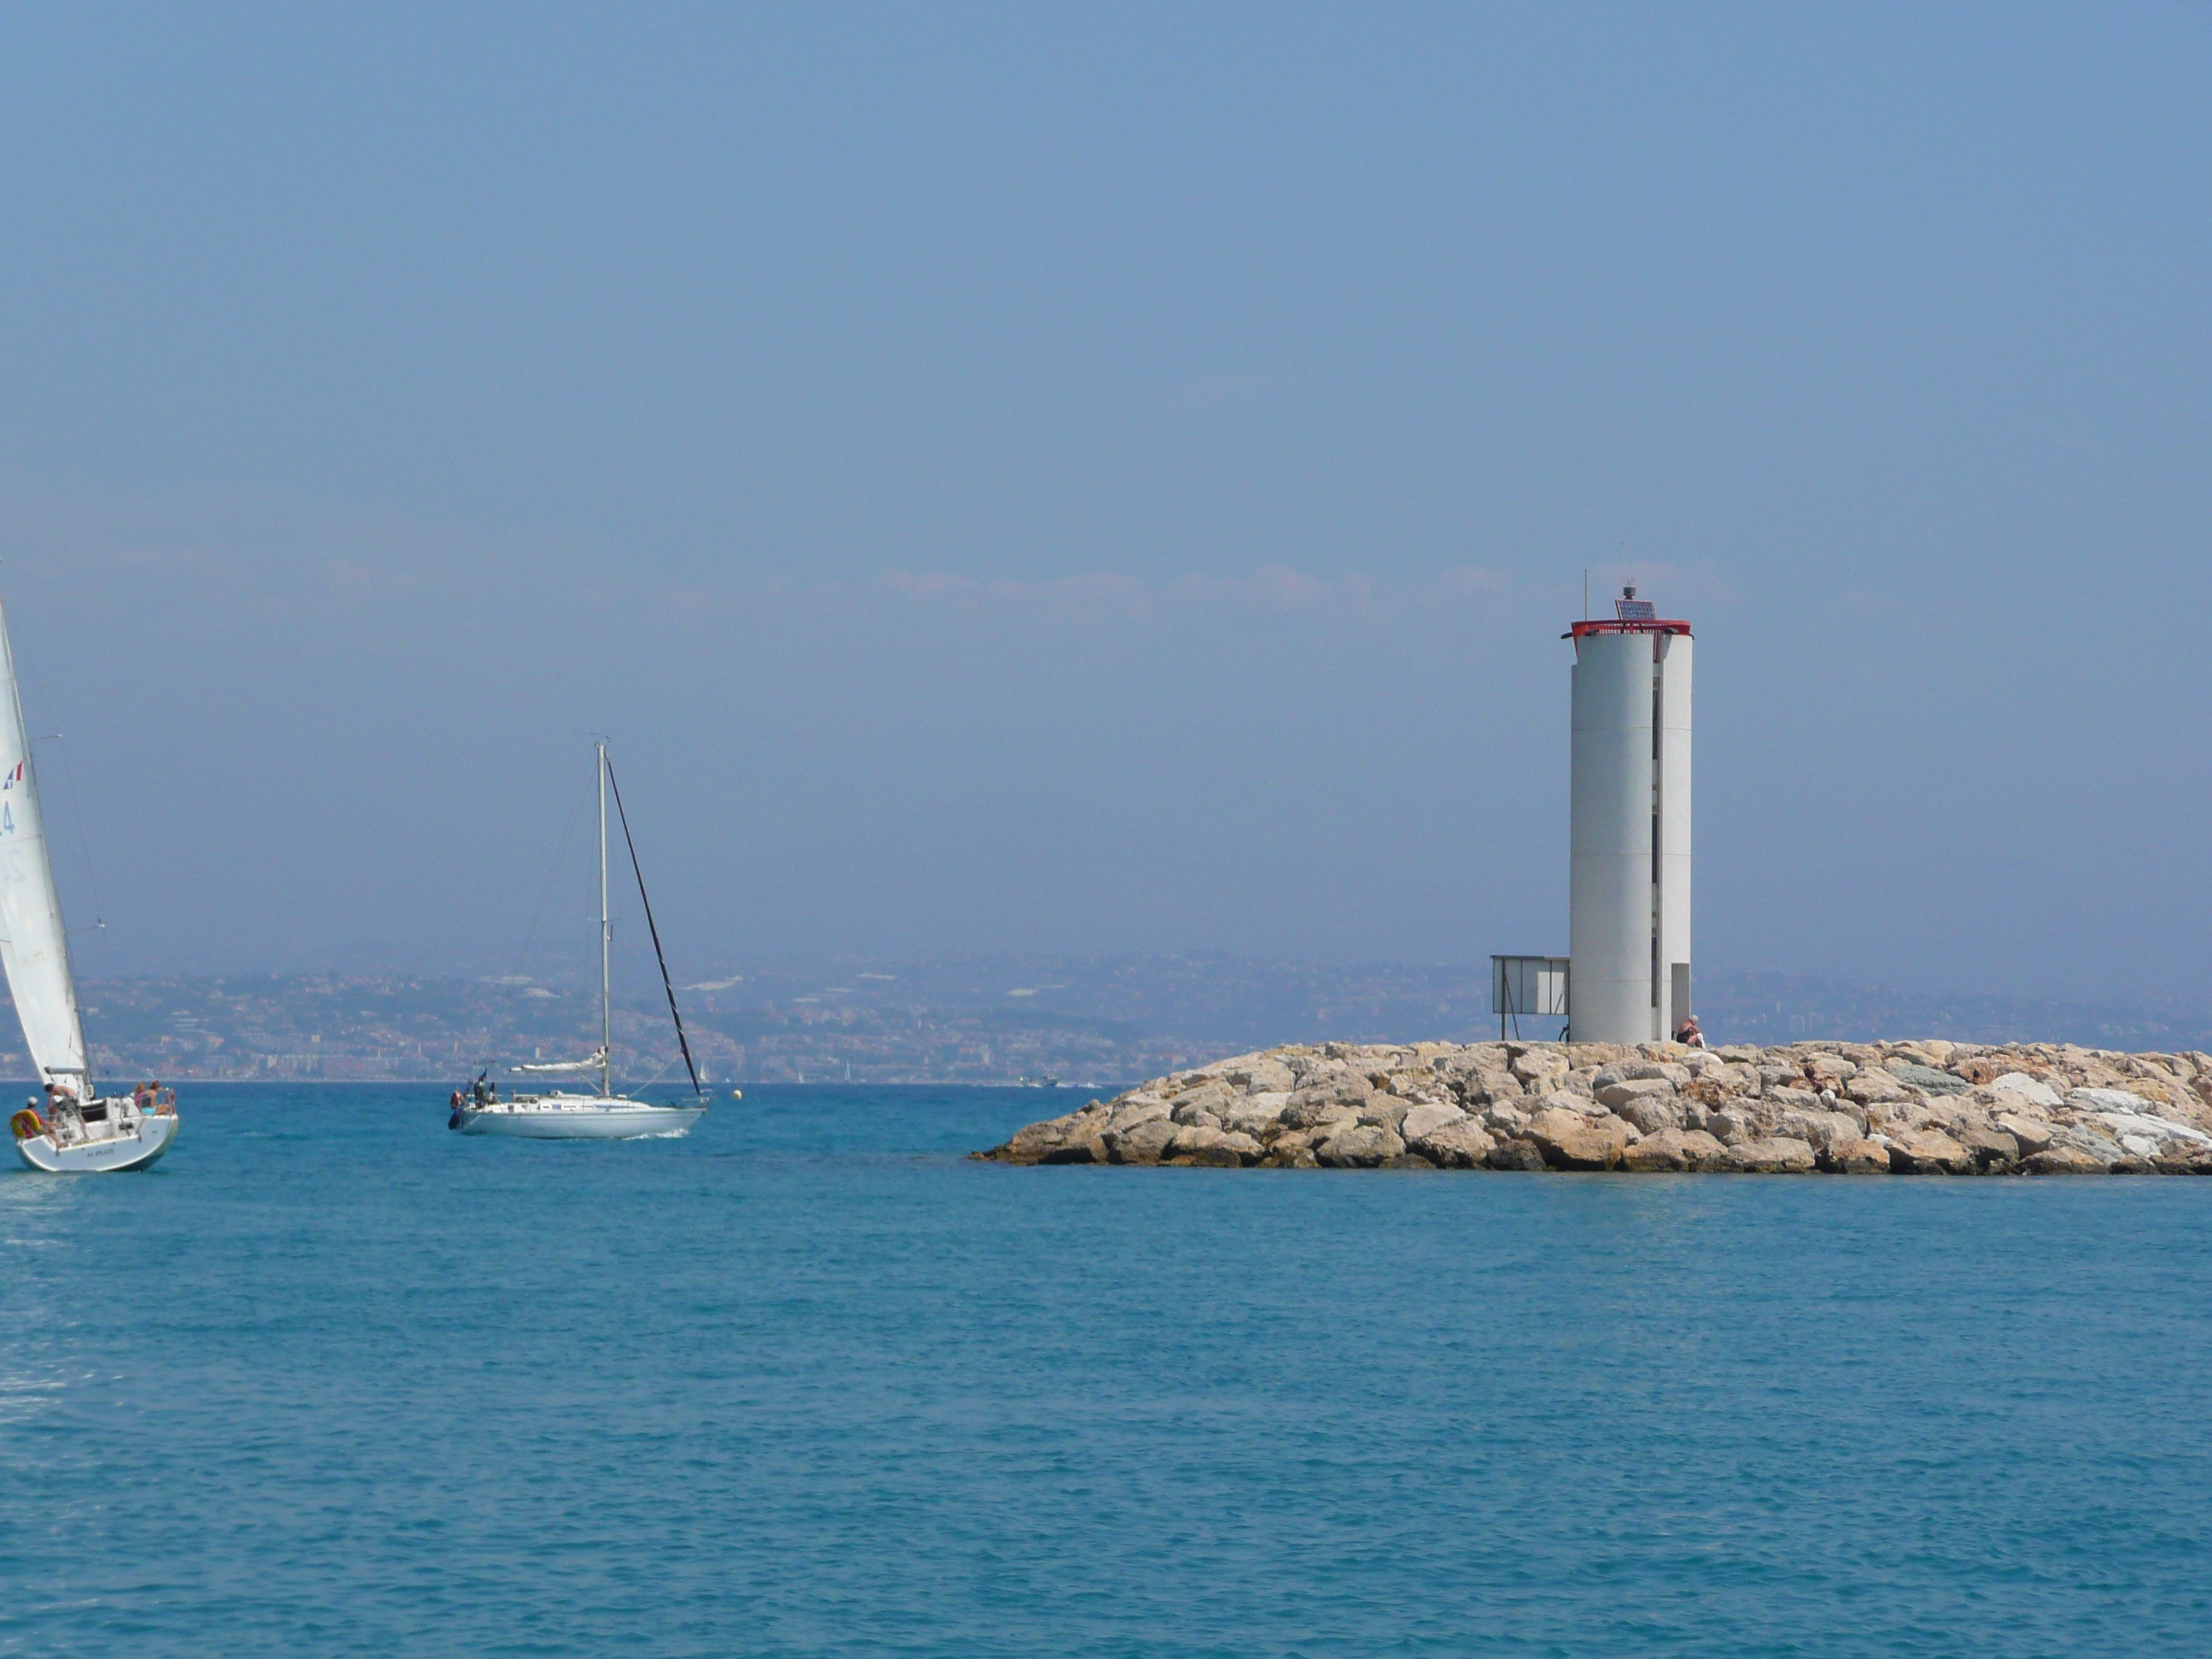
<point x="576" y="1118"/>
<point x="138" y="1148"/>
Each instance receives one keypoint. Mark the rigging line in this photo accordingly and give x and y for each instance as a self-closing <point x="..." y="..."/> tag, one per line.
<point x="681" y="1041"/>
<point x="83" y="846"/>
<point x="560" y="857"/>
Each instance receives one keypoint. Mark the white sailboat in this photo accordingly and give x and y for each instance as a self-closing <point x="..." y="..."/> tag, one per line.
<point x="68" y="1128"/>
<point x="560" y="1115"/>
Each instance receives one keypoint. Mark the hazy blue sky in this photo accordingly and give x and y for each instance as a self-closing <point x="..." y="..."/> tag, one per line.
<point x="1111" y="479"/>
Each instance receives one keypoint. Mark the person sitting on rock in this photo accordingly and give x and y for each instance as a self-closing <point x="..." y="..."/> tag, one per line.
<point x="1687" y="1033"/>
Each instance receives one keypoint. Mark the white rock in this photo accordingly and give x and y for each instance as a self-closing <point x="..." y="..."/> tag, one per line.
<point x="2108" y="1100"/>
<point x="2028" y="1088"/>
<point x="2142" y="1125"/>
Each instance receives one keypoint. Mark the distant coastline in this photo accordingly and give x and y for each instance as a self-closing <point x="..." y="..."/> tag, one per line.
<point x="980" y="1019"/>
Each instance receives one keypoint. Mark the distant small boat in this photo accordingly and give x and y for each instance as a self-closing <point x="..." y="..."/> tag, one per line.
<point x="69" y="1129"/>
<point x="606" y="1116"/>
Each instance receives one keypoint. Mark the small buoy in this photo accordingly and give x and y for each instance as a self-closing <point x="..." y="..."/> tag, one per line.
<point x="737" y="1094"/>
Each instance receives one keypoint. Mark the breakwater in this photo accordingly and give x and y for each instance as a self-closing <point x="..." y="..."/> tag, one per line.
<point x="1906" y="1107"/>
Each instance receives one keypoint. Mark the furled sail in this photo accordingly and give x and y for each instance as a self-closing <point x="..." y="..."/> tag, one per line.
<point x="34" y="946"/>
<point x="592" y="1064"/>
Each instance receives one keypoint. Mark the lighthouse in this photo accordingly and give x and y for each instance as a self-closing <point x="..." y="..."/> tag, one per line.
<point x="1628" y="901"/>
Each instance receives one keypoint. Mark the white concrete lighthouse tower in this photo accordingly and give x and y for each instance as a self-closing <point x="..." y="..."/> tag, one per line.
<point x="1628" y="906"/>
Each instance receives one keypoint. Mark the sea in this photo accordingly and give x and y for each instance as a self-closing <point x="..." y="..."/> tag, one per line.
<point x="332" y="1380"/>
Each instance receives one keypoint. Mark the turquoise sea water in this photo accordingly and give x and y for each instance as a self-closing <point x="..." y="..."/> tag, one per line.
<point x="333" y="1381"/>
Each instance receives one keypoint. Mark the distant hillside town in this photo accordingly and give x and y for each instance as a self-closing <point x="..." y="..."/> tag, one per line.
<point x="997" y="1019"/>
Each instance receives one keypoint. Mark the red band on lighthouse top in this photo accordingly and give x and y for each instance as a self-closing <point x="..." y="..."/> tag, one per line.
<point x="1655" y="626"/>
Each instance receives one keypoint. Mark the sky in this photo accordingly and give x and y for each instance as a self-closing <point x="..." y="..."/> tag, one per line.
<point x="1109" y="479"/>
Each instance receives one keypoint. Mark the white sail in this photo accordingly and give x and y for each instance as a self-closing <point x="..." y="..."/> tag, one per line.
<point x="34" y="946"/>
<point x="591" y="1064"/>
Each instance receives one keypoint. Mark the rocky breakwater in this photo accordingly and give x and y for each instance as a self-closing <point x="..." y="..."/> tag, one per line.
<point x="1925" y="1107"/>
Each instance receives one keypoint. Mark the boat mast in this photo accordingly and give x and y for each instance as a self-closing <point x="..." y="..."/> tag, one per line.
<point x="606" y="938"/>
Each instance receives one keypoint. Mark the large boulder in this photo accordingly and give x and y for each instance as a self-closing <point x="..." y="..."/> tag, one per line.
<point x="1620" y="1091"/>
<point x="1206" y="1097"/>
<point x="1717" y="1080"/>
<point x="1192" y="1139"/>
<point x="1991" y="1148"/>
<point x="1648" y="1112"/>
<point x="1255" y="1112"/>
<point x="1571" y="1140"/>
<point x="1928" y="1078"/>
<point x="1855" y="1156"/>
<point x="1337" y="1097"/>
<point x="1088" y="1150"/>
<point x="1416" y="1083"/>
<point x="1674" y="1150"/>
<point x="2027" y="1088"/>
<point x="2082" y="1139"/>
<point x="1505" y="1120"/>
<point x="1037" y="1142"/>
<point x="1145" y="1142"/>
<point x="1229" y="1152"/>
<point x="1775" y="1155"/>
<point x="1732" y="1124"/>
<point x="1517" y="1154"/>
<point x="1132" y="1109"/>
<point x="1540" y="1070"/>
<point x="1417" y="1121"/>
<point x="1359" y="1146"/>
<point x="2126" y="1118"/>
<point x="1461" y="1144"/>
<point x="1928" y="1151"/>
<point x="1386" y="1111"/>
<point x="1261" y="1074"/>
<point x="2063" y="1160"/>
<point x="2105" y="1100"/>
<point x="1818" y="1127"/>
<point x="1869" y="1086"/>
<point x="1639" y="1071"/>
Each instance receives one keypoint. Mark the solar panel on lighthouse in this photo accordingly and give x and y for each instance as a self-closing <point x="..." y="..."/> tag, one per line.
<point x="1635" y="610"/>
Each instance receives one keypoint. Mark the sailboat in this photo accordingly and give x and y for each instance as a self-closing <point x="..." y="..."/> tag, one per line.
<point x="70" y="1128"/>
<point x="605" y="1115"/>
